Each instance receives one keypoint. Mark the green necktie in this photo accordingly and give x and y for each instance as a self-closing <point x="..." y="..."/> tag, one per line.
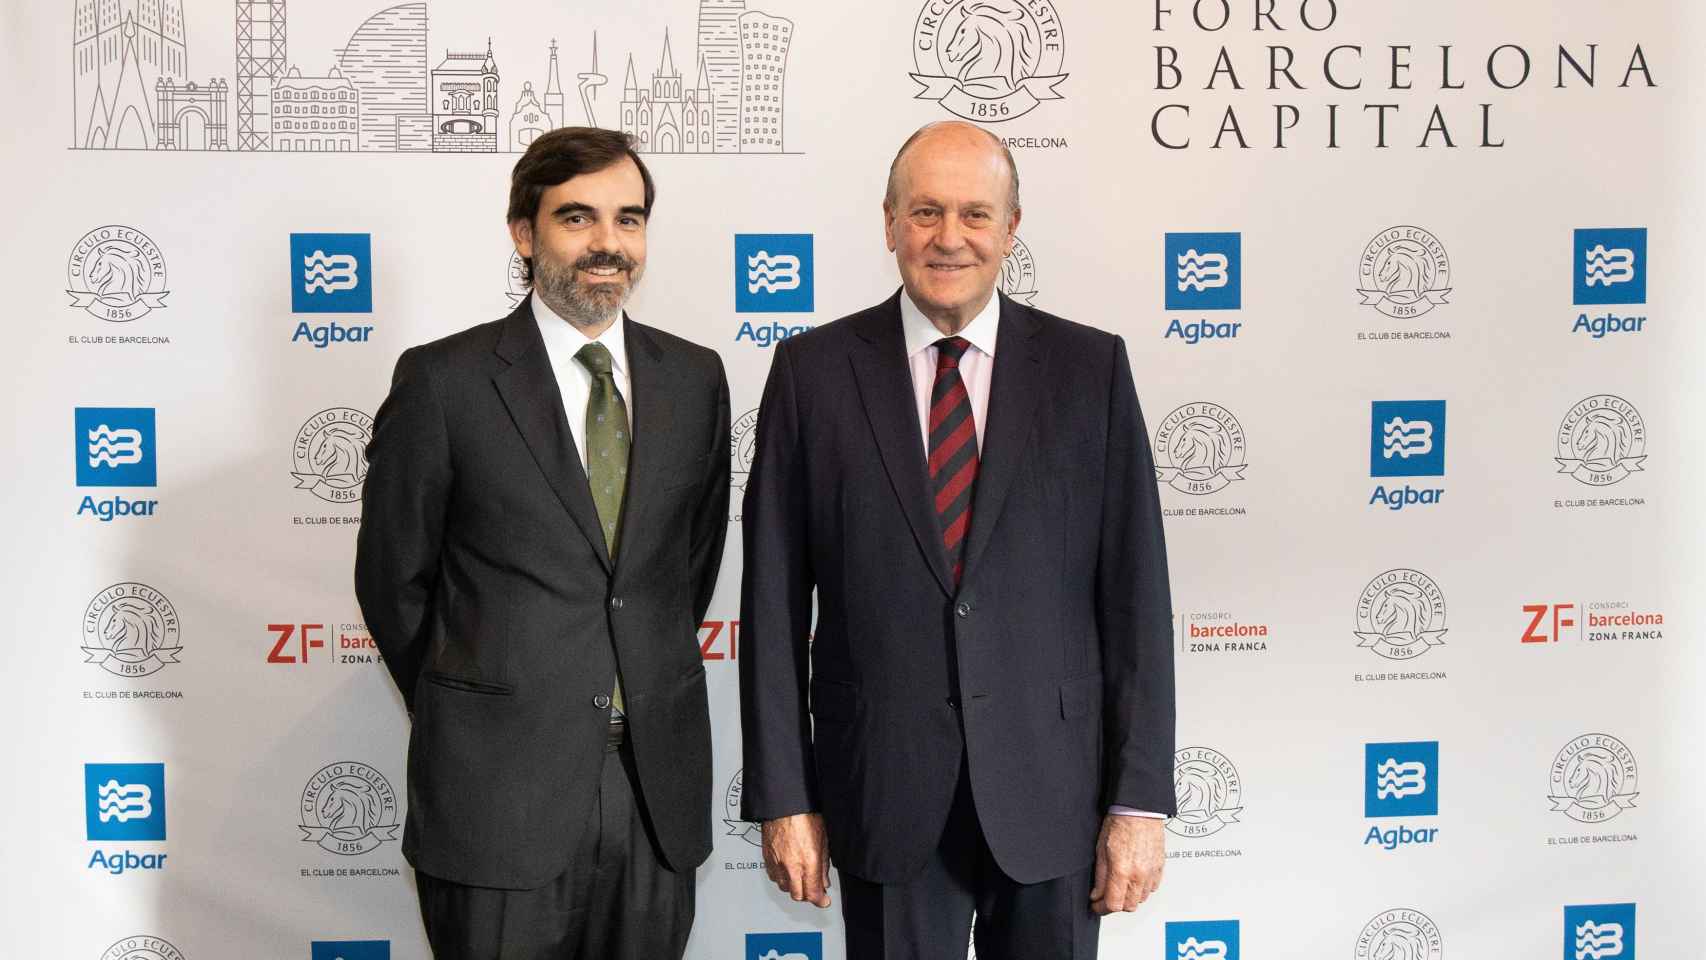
<point x="607" y="442"/>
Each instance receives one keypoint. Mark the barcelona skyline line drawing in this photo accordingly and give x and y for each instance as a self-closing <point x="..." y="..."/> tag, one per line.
<point x="387" y="89"/>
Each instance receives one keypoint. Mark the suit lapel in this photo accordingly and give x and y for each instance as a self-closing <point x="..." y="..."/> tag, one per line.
<point x="651" y="411"/>
<point x="529" y="390"/>
<point x="885" y="386"/>
<point x="1015" y="392"/>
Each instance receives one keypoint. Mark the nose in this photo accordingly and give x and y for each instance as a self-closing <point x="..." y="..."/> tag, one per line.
<point x="950" y="235"/>
<point x="603" y="238"/>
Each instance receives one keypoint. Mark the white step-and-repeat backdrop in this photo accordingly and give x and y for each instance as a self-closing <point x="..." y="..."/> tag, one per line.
<point x="1408" y="288"/>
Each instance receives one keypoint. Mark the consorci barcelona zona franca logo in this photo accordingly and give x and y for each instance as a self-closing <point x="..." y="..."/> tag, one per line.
<point x="988" y="60"/>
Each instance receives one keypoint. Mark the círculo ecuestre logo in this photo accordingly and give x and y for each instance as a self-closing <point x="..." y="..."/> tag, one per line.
<point x="349" y="809"/>
<point x="988" y="60"/>
<point x="1399" y="932"/>
<point x="142" y="948"/>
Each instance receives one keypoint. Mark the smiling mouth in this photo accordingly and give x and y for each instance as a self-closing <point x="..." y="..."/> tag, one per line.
<point x="604" y="272"/>
<point x="950" y="267"/>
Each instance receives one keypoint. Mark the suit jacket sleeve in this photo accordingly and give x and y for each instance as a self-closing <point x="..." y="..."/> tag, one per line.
<point x="1134" y="612"/>
<point x="711" y="517"/>
<point x="776" y="608"/>
<point x="402" y="520"/>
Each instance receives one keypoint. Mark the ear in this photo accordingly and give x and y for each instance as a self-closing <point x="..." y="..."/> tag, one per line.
<point x="888" y="225"/>
<point x="1012" y="233"/>
<point x="521" y="232"/>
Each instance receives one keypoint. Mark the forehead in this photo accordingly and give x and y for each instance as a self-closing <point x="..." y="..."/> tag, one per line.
<point x="613" y="187"/>
<point x="956" y="167"/>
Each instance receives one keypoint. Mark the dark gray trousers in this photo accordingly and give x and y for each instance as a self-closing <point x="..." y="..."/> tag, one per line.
<point x="930" y="917"/>
<point x="616" y="901"/>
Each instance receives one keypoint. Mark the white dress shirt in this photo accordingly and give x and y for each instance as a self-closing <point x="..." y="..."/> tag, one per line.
<point x="562" y="341"/>
<point x="977" y="369"/>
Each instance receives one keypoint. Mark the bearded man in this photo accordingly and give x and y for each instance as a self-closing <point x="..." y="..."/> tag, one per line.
<point x="542" y="525"/>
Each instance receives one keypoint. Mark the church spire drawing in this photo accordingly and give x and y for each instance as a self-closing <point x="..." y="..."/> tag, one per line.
<point x="553" y="90"/>
<point x="120" y="51"/>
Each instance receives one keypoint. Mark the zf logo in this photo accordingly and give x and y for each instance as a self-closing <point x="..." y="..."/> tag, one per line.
<point x="1407" y="438"/>
<point x="331" y="273"/>
<point x="115" y="447"/>
<point x="1202" y="271"/>
<point x="1599" y="931"/>
<point x="784" y="946"/>
<point x="350" y="950"/>
<point x="1561" y="616"/>
<point x="719" y="640"/>
<point x="305" y="641"/>
<point x="1611" y="266"/>
<point x="1202" y="940"/>
<point x="773" y="273"/>
<point x="125" y="801"/>
<point x="1401" y="779"/>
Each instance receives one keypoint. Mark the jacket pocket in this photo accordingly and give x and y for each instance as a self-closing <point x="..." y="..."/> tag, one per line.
<point x="467" y="685"/>
<point x="834" y="700"/>
<point x="1081" y="695"/>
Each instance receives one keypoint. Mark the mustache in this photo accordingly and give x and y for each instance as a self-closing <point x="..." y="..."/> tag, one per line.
<point x="593" y="261"/>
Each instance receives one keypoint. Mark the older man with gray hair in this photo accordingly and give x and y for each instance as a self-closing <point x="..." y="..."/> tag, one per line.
<point x="983" y="723"/>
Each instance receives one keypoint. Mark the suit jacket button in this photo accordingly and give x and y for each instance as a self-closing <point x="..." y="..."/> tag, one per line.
<point x="602" y="701"/>
<point x="963" y="609"/>
<point x="615" y="603"/>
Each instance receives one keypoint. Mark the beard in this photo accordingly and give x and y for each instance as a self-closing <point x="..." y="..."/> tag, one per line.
<point x="583" y="304"/>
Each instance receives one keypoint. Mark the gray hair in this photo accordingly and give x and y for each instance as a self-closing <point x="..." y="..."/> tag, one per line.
<point x="889" y="198"/>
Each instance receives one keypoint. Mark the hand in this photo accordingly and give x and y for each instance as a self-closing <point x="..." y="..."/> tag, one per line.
<point x="1129" y="857"/>
<point x="796" y="857"/>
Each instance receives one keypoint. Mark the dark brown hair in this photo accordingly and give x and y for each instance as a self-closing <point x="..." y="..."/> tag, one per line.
<point x="561" y="154"/>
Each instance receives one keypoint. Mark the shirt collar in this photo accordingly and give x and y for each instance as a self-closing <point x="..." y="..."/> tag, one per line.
<point x="921" y="333"/>
<point x="561" y="335"/>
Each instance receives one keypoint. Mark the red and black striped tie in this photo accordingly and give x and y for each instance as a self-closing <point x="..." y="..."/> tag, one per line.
<point x="953" y="450"/>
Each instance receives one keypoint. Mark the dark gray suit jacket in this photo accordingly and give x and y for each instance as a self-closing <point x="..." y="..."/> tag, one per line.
<point x="1055" y="654"/>
<point x="483" y="576"/>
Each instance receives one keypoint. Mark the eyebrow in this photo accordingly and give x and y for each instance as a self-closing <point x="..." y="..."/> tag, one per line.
<point x="572" y="207"/>
<point x="933" y="202"/>
<point x="575" y="206"/>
